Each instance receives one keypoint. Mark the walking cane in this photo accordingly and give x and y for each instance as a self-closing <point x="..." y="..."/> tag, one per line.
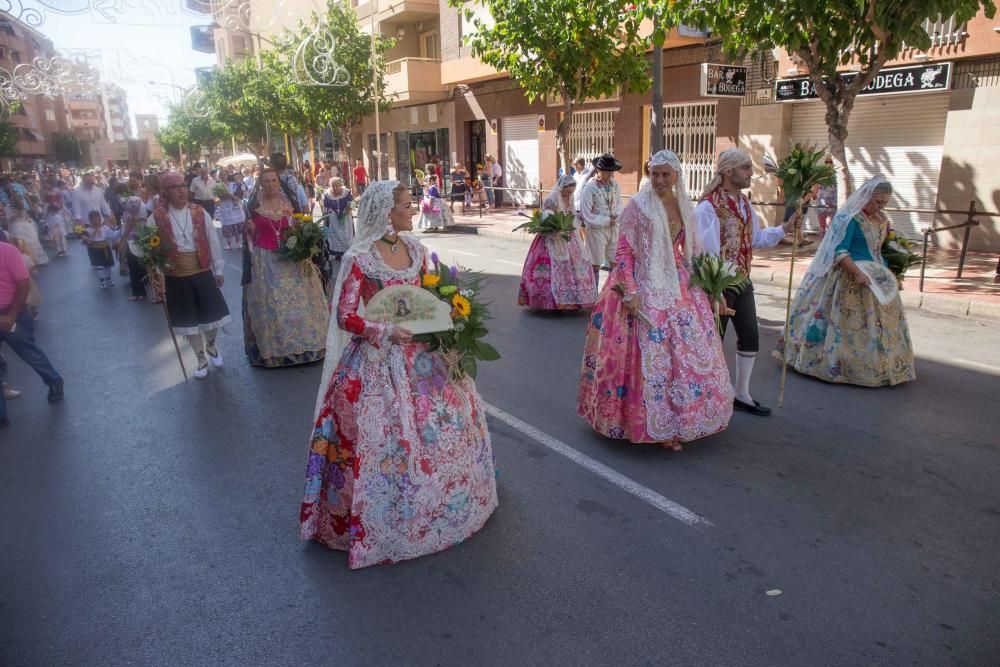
<point x="788" y="313"/>
<point x="173" y="337"/>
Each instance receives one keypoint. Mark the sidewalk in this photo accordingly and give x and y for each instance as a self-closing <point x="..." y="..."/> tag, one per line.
<point x="974" y="295"/>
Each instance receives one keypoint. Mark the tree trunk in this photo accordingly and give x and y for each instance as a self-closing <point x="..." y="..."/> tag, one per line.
<point x="836" y="126"/>
<point x="345" y="140"/>
<point x="562" y="135"/>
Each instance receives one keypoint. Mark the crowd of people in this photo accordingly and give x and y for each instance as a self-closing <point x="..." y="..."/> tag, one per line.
<point x="400" y="462"/>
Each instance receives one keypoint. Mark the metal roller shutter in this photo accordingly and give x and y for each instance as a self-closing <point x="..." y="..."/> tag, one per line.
<point x="899" y="136"/>
<point x="520" y="157"/>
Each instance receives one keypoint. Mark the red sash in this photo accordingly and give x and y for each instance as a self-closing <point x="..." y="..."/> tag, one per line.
<point x="162" y="217"/>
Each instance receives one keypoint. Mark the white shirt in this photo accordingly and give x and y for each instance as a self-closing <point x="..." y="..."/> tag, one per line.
<point x="581" y="178"/>
<point x="497" y="173"/>
<point x="86" y="200"/>
<point x="594" y="200"/>
<point x="711" y="236"/>
<point x="183" y="228"/>
<point x="248" y="183"/>
<point x="201" y="189"/>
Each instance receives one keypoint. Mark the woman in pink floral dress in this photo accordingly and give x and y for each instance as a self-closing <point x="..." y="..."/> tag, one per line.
<point x="400" y="462"/>
<point x="653" y="370"/>
<point x="557" y="273"/>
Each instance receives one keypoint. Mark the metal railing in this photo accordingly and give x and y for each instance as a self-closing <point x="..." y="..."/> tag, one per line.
<point x="968" y="224"/>
<point x="396" y="66"/>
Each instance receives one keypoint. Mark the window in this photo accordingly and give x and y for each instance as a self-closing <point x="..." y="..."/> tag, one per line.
<point x="592" y="133"/>
<point x="3" y="53"/>
<point x="239" y="44"/>
<point x="15" y="56"/>
<point x="50" y="115"/>
<point x="689" y="130"/>
<point x="8" y="28"/>
<point x="429" y="45"/>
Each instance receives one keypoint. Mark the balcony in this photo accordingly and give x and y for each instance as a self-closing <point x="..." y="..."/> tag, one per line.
<point x="397" y="11"/>
<point x="413" y="80"/>
<point x="467" y="69"/>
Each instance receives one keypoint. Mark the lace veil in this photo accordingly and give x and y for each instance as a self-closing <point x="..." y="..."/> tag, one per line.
<point x="553" y="201"/>
<point x="656" y="266"/>
<point x="372" y="224"/>
<point x="823" y="261"/>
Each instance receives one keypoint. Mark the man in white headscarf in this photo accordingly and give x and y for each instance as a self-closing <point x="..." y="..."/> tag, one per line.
<point x="729" y="227"/>
<point x="600" y="206"/>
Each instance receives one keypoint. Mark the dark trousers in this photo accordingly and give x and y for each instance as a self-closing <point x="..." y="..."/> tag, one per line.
<point x="136" y="274"/>
<point x="22" y="342"/>
<point x="208" y="205"/>
<point x="745" y="319"/>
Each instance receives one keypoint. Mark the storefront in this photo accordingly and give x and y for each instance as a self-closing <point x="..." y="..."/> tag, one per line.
<point x="416" y="149"/>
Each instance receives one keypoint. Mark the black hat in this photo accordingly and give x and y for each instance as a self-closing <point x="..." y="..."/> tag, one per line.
<point x="606" y="162"/>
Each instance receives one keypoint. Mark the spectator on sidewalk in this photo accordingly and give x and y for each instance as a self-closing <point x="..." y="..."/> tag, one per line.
<point x="17" y="327"/>
<point x="360" y="176"/>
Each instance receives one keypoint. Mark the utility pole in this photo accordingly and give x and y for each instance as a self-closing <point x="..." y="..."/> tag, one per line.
<point x="656" y="114"/>
<point x="377" y="167"/>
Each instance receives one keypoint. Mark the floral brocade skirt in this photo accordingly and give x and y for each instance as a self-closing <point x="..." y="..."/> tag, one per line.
<point x="400" y="462"/>
<point x="655" y="384"/>
<point x="839" y="332"/>
<point x="285" y="312"/>
<point x="556" y="275"/>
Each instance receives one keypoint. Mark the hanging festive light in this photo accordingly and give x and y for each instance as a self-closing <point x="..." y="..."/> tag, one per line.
<point x="315" y="62"/>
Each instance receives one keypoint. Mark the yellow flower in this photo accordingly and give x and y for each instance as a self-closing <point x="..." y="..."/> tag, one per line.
<point x="462" y="305"/>
<point x="79" y="229"/>
<point x="154" y="242"/>
<point x="431" y="280"/>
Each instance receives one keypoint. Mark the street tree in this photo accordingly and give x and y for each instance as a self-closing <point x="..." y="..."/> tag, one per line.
<point x="567" y="50"/>
<point x="826" y="37"/>
<point x="190" y="130"/>
<point x="241" y="99"/>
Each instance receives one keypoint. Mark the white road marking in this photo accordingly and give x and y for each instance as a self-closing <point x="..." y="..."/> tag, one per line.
<point x="507" y="261"/>
<point x="624" y="483"/>
<point x="463" y="252"/>
<point x="978" y="364"/>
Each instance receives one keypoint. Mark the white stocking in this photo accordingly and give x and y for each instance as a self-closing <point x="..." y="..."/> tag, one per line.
<point x="744" y="368"/>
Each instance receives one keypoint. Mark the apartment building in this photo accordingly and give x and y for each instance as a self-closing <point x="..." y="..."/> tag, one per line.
<point x="39" y="117"/>
<point x="147" y="125"/>
<point x="929" y="122"/>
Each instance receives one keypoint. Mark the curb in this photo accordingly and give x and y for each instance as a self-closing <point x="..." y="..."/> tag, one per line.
<point x="932" y="303"/>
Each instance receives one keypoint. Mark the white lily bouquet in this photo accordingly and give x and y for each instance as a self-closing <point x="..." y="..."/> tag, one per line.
<point x="715" y="275"/>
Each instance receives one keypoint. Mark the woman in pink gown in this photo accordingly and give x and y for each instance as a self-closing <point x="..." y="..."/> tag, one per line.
<point x="400" y="461"/>
<point x="653" y="370"/>
<point x="557" y="273"/>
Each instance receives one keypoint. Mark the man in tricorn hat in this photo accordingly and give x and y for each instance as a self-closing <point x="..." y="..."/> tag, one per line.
<point x="600" y="206"/>
<point x="194" y="277"/>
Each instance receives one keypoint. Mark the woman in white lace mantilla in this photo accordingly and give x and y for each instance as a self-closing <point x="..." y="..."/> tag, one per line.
<point x="653" y="370"/>
<point x="400" y="462"/>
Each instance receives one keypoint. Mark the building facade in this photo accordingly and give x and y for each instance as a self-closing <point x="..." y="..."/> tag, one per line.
<point x="928" y="122"/>
<point x="39" y="118"/>
<point x="146" y="128"/>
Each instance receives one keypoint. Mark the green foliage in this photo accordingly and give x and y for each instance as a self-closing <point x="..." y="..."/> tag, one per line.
<point x="67" y="147"/>
<point x="190" y="132"/>
<point x="549" y="222"/>
<point x="567" y="50"/>
<point x="802" y="170"/>
<point x="8" y="139"/>
<point x="715" y="275"/>
<point x="898" y="254"/>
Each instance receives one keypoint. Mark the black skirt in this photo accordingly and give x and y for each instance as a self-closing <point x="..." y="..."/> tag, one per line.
<point x="101" y="258"/>
<point x="195" y="304"/>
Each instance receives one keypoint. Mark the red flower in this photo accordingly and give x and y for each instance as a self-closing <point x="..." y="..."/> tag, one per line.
<point x="353" y="389"/>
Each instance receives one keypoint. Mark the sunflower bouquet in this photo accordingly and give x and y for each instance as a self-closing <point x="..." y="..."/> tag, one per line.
<point x="897" y="251"/>
<point x="79" y="230"/>
<point x="715" y="275"/>
<point x="549" y="222"/>
<point x="302" y="239"/>
<point x="463" y="346"/>
<point x="149" y="247"/>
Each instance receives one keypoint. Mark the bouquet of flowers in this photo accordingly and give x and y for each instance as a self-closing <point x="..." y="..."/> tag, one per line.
<point x="716" y="275"/>
<point x="79" y="230"/>
<point x="463" y="346"/>
<point x="549" y="222"/>
<point x="897" y="251"/>
<point x="220" y="190"/>
<point x="301" y="240"/>
<point x="150" y="249"/>
<point x="803" y="169"/>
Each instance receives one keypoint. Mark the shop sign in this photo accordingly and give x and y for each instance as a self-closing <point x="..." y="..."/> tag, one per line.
<point x="925" y="78"/>
<point x="723" y="80"/>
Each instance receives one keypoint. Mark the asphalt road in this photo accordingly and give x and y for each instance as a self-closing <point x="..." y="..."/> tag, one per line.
<point x="148" y="521"/>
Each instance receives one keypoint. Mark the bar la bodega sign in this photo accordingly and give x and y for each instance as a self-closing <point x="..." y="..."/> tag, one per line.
<point x="893" y="81"/>
<point x="723" y="80"/>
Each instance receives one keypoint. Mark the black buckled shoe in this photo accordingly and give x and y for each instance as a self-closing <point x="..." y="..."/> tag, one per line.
<point x="56" y="392"/>
<point x="755" y="408"/>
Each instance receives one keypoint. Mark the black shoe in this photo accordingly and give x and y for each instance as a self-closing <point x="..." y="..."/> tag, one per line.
<point x="56" y="392"/>
<point x="755" y="409"/>
<point x="4" y="422"/>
